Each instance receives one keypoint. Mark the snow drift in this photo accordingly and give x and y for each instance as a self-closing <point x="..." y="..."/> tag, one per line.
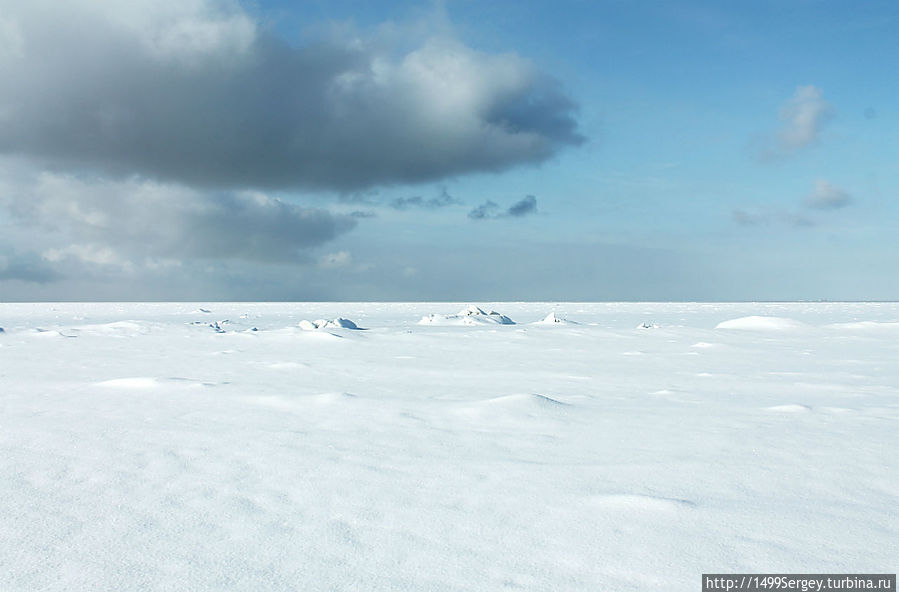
<point x="760" y="323"/>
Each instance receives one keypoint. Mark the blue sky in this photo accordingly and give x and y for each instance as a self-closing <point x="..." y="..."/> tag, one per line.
<point x="614" y="150"/>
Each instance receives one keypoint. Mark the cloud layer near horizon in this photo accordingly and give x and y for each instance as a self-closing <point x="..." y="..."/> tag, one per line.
<point x="111" y="222"/>
<point x="196" y="92"/>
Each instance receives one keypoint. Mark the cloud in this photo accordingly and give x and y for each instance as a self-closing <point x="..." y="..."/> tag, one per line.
<point x="112" y="222"/>
<point x="827" y="197"/>
<point x="767" y="217"/>
<point x="485" y="210"/>
<point x="26" y="268"/>
<point x="336" y="260"/>
<point x="797" y="220"/>
<point x="196" y="92"/>
<point x="11" y="42"/>
<point x="745" y="218"/>
<point x="490" y="210"/>
<point x="417" y="201"/>
<point x="91" y="254"/>
<point x="523" y="207"/>
<point x="802" y="117"/>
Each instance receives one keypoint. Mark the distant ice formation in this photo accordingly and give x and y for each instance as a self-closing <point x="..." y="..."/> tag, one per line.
<point x="472" y="315"/>
<point x="338" y="323"/>
<point x="552" y="319"/>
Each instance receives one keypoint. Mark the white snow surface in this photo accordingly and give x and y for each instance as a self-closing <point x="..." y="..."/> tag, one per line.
<point x="140" y="450"/>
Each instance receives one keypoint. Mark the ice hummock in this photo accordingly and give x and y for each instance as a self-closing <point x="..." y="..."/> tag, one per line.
<point x="472" y="315"/>
<point x="338" y="323"/>
<point x="552" y="319"/>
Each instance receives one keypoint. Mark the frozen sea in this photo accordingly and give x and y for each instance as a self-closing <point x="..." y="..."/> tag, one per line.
<point x="174" y="447"/>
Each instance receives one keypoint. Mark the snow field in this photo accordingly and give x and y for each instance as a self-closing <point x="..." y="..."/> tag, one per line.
<point x="142" y="449"/>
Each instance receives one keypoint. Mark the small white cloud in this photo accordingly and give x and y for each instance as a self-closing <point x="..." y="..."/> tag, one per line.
<point x="336" y="260"/>
<point x="803" y="116"/>
<point x="827" y="196"/>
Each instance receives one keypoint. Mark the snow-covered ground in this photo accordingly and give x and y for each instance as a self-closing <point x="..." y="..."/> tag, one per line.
<point x="173" y="447"/>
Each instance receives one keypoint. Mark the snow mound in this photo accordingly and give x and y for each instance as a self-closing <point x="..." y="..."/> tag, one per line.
<point x="338" y="323"/>
<point x="533" y="401"/>
<point x="338" y="398"/>
<point x="759" y="323"/>
<point x="472" y="315"/>
<point x="130" y="383"/>
<point x="116" y="329"/>
<point x="515" y="408"/>
<point x="641" y="503"/>
<point x="552" y="319"/>
<point x="47" y="333"/>
<point x="874" y="325"/>
<point x="286" y="365"/>
<point x="793" y="408"/>
<point x="142" y="383"/>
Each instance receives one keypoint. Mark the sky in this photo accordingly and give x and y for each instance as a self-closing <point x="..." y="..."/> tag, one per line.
<point x="458" y="150"/>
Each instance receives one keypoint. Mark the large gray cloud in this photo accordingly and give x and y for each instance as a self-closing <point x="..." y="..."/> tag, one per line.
<point x="196" y="92"/>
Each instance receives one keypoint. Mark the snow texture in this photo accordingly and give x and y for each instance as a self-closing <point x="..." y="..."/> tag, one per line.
<point x="141" y="449"/>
